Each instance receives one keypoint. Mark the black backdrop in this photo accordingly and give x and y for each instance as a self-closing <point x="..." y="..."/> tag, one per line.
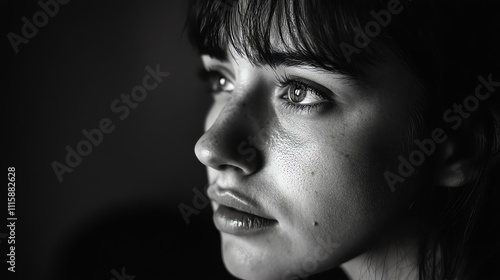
<point x="118" y="208"/>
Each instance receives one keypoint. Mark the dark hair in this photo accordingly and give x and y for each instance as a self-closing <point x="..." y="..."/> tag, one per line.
<point x="446" y="44"/>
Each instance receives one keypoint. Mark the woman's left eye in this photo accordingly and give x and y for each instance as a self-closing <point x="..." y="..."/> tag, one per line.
<point x="301" y="94"/>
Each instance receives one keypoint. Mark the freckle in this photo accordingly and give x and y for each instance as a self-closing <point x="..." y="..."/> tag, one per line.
<point x="346" y="155"/>
<point x="315" y="223"/>
<point x="312" y="173"/>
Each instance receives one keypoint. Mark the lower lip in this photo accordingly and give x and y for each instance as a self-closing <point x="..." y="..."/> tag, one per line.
<point x="232" y="221"/>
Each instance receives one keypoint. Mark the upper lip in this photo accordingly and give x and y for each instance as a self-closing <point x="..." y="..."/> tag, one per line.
<point x="234" y="199"/>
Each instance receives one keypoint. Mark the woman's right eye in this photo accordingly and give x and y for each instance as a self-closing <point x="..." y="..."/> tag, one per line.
<point x="218" y="83"/>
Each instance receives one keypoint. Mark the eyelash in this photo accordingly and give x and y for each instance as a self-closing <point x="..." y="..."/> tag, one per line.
<point x="285" y="82"/>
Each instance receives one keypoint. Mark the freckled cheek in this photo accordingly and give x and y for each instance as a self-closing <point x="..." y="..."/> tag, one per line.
<point x="326" y="191"/>
<point x="323" y="201"/>
<point x="337" y="179"/>
<point x="308" y="176"/>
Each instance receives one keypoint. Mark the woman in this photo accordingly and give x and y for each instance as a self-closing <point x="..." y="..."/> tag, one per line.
<point x="352" y="134"/>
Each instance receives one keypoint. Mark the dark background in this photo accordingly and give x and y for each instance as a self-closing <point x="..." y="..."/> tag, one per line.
<point x="116" y="215"/>
<point x="119" y="207"/>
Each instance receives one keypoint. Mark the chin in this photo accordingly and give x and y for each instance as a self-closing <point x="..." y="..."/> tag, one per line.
<point x="245" y="262"/>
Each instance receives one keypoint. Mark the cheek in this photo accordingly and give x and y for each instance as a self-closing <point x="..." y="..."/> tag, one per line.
<point x="332" y="179"/>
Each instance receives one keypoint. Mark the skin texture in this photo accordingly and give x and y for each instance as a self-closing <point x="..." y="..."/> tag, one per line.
<point x="319" y="173"/>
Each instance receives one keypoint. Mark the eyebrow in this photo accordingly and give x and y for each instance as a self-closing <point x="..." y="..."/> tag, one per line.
<point x="292" y="59"/>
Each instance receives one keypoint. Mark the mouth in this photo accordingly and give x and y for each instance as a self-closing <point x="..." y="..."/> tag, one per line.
<point x="232" y="221"/>
<point x="238" y="215"/>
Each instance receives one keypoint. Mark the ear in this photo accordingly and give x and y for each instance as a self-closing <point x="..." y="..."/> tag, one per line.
<point x="451" y="165"/>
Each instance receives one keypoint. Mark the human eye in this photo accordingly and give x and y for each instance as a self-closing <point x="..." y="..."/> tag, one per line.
<point x="302" y="95"/>
<point x="217" y="82"/>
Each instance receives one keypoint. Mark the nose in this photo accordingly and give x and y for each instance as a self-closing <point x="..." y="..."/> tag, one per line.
<point x="226" y="144"/>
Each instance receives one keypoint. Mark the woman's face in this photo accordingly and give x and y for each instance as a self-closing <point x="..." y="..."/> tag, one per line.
<point x="296" y="156"/>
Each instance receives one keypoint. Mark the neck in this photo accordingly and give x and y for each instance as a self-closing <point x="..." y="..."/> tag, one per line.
<point x="393" y="258"/>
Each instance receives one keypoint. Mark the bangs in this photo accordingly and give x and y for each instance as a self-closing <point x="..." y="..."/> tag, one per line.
<point x="320" y="32"/>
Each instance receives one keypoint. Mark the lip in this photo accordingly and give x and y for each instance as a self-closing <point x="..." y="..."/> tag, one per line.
<point x="237" y="214"/>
